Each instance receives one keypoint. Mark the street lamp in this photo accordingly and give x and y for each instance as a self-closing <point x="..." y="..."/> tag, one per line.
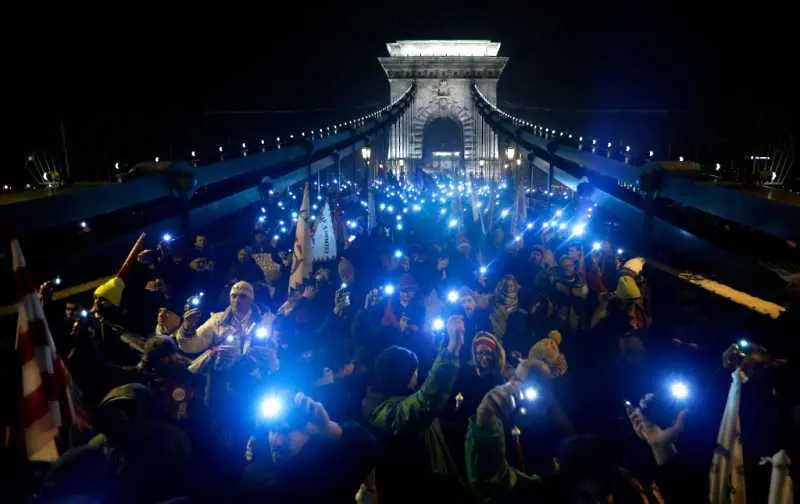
<point x="366" y="152"/>
<point x="510" y="152"/>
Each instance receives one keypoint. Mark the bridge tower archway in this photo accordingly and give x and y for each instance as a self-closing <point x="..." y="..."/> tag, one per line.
<point x="444" y="72"/>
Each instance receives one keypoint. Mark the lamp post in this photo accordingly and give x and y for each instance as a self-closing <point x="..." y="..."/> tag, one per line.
<point x="510" y="153"/>
<point x="366" y="152"/>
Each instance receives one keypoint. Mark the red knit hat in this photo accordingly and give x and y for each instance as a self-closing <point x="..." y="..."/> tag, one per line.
<point x="485" y="338"/>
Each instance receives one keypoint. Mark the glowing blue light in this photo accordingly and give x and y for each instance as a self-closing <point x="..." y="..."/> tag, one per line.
<point x="452" y="296"/>
<point x="84" y="313"/>
<point x="483" y="270"/>
<point x="270" y="407"/>
<point x="195" y="301"/>
<point x="399" y="226"/>
<point x="531" y="394"/>
<point x="679" y="390"/>
<point x="344" y="285"/>
<point x="57" y="280"/>
<point x="529" y="225"/>
<point x="398" y="254"/>
<point x="388" y="289"/>
<point x="230" y="338"/>
<point x="562" y="226"/>
<point x="596" y="246"/>
<point x="453" y="223"/>
<point x="166" y="237"/>
<point x="579" y="229"/>
<point x="438" y="324"/>
<point x="262" y="218"/>
<point x="743" y="343"/>
<point x="261" y="332"/>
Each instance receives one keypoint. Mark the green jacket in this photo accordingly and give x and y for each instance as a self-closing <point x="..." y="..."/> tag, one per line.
<point x="416" y="455"/>
<point x="488" y="470"/>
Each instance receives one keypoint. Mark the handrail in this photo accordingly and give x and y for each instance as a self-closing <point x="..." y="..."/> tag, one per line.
<point x="68" y="209"/>
<point x="768" y="216"/>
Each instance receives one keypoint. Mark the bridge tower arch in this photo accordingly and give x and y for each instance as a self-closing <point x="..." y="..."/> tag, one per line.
<point x="443" y="70"/>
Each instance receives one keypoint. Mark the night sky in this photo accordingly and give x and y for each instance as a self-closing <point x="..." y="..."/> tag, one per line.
<point x="145" y="84"/>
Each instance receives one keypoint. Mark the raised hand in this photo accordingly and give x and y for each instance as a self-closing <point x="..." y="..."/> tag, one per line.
<point x="190" y="319"/>
<point x="455" y="331"/>
<point x="660" y="440"/>
<point x="319" y="422"/>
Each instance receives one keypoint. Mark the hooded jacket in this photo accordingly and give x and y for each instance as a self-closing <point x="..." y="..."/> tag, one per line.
<point x="407" y="426"/>
<point x="148" y="461"/>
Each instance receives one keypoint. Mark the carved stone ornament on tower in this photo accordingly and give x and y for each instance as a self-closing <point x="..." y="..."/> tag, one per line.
<point x="442" y="89"/>
<point x="444" y="71"/>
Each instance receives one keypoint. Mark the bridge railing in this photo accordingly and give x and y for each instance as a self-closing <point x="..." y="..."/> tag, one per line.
<point x="744" y="235"/>
<point x="183" y="198"/>
<point x="285" y="164"/>
<point x="571" y="157"/>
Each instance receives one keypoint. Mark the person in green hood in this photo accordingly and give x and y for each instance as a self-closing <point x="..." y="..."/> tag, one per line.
<point x="417" y="465"/>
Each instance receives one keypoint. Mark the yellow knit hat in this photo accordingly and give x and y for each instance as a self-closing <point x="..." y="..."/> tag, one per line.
<point x="111" y="291"/>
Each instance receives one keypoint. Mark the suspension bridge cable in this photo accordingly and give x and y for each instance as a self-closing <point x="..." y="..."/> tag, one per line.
<point x="371" y="106"/>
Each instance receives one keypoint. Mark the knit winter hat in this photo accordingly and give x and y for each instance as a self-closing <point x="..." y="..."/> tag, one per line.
<point x="244" y="289"/>
<point x="485" y="338"/>
<point x="393" y="370"/>
<point x="547" y="351"/>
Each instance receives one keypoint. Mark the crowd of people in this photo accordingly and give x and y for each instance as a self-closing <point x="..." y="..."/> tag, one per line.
<point x="454" y="347"/>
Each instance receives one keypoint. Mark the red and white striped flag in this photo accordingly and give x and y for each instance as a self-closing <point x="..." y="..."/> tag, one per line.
<point x="45" y="405"/>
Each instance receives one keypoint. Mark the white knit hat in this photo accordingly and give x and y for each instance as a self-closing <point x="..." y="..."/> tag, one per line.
<point x="243" y="288"/>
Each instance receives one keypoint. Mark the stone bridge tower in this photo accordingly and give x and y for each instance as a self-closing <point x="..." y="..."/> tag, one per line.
<point x="444" y="70"/>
